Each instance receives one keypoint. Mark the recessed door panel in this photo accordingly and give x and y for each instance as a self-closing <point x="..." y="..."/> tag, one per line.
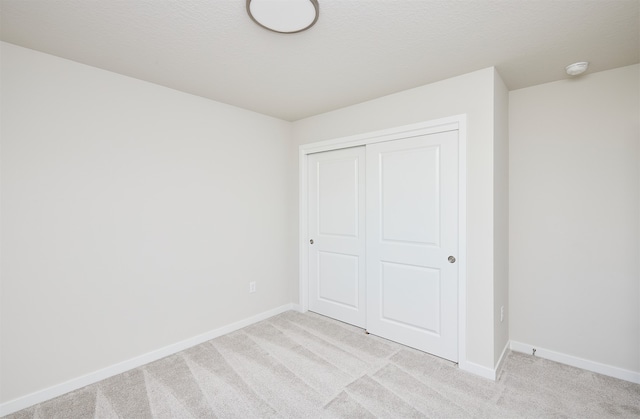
<point x="336" y="228"/>
<point x="410" y="202"/>
<point x="340" y="279"/>
<point x="410" y="296"/>
<point x="338" y="197"/>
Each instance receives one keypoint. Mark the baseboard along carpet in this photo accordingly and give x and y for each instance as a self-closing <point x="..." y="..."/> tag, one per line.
<point x="296" y="365"/>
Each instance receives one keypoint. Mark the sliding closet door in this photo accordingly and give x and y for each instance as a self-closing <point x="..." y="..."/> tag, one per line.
<point x="337" y="234"/>
<point x="412" y="242"/>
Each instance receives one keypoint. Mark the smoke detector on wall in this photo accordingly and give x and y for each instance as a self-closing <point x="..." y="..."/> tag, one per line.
<point x="577" y="68"/>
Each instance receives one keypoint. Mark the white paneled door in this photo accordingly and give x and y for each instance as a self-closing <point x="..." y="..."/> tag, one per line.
<point x="383" y="232"/>
<point x="337" y="234"/>
<point x="412" y="242"/>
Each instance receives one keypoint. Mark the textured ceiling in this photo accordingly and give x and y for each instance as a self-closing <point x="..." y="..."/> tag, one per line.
<point x="358" y="50"/>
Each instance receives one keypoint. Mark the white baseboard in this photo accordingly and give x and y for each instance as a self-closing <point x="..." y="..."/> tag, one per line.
<point x="574" y="361"/>
<point x="478" y="369"/>
<point x="482" y="371"/>
<point x="91" y="378"/>
<point x="503" y="355"/>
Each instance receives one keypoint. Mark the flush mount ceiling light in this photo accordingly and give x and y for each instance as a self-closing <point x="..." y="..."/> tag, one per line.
<point x="577" y="68"/>
<point x="284" y="16"/>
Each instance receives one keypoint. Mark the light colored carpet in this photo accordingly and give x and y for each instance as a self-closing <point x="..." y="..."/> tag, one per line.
<point x="305" y="365"/>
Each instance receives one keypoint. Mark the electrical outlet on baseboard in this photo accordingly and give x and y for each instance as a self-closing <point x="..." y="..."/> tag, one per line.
<point x="252" y="286"/>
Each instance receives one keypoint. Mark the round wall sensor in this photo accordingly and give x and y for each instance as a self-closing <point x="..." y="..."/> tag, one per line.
<point x="577" y="68"/>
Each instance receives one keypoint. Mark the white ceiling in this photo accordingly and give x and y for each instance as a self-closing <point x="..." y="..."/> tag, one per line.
<point x="358" y="50"/>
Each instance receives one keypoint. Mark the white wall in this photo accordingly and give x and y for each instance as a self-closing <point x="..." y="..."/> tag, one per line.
<point x="129" y="212"/>
<point x="133" y="217"/>
<point x="575" y="217"/>
<point x="500" y="216"/>
<point x="473" y="95"/>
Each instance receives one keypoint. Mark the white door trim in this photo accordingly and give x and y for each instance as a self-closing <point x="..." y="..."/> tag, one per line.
<point x="457" y="122"/>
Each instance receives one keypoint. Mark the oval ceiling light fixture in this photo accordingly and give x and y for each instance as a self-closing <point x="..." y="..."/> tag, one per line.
<point x="577" y="68"/>
<point x="284" y="16"/>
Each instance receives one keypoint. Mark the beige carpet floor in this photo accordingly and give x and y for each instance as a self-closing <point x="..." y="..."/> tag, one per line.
<point x="305" y="366"/>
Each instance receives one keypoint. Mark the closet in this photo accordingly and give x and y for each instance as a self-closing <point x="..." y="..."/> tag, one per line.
<point x="382" y="238"/>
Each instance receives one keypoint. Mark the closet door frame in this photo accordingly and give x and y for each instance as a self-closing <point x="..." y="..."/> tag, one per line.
<point x="453" y="123"/>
